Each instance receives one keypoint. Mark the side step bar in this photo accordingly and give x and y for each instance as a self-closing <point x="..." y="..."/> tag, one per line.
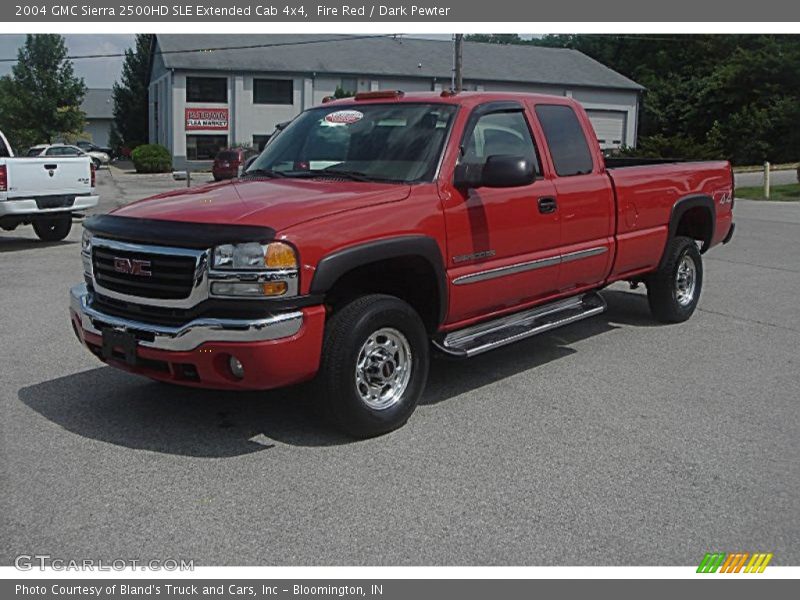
<point x="483" y="337"/>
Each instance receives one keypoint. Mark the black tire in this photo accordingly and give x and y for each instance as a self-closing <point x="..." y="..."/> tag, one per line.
<point x="96" y="162"/>
<point x="53" y="229"/>
<point x="669" y="299"/>
<point x="346" y="333"/>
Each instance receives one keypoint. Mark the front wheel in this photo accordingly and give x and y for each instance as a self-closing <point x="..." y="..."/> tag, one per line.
<point x="53" y="229"/>
<point x="374" y="365"/>
<point x="674" y="290"/>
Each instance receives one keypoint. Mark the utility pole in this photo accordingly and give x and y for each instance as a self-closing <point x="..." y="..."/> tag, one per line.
<point x="458" y="62"/>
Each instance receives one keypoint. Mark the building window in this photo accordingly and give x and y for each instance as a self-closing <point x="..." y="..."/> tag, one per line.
<point x="204" y="147"/>
<point x="207" y="89"/>
<point x="273" y="91"/>
<point x="259" y="141"/>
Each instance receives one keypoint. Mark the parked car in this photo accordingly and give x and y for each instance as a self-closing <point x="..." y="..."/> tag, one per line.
<point x="229" y="163"/>
<point x="98" y="158"/>
<point x="89" y="147"/>
<point x="44" y="191"/>
<point x="377" y="229"/>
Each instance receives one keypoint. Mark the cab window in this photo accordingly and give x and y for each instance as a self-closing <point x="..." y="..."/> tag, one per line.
<point x="499" y="133"/>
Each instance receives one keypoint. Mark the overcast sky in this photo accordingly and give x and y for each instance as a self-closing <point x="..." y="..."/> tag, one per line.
<point x="98" y="72"/>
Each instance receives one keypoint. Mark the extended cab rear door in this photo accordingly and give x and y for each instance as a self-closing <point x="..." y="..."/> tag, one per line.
<point x="584" y="194"/>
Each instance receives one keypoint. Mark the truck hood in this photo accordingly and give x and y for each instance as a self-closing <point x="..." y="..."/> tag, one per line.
<point x="275" y="203"/>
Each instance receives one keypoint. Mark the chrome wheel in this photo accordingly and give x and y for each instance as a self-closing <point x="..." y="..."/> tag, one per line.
<point x="383" y="368"/>
<point x="685" y="281"/>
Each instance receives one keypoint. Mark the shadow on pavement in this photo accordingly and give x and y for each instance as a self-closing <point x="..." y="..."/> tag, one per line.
<point x="115" y="407"/>
<point x="12" y="244"/>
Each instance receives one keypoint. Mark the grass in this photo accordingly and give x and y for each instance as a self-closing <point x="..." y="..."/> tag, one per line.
<point x="779" y="193"/>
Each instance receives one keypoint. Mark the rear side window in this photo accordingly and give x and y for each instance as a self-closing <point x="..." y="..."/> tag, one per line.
<point x="565" y="137"/>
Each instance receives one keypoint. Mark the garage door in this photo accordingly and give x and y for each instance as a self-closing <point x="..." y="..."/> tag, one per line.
<point x="609" y="126"/>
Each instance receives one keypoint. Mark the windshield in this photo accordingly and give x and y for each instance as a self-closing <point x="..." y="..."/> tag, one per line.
<point x="374" y="142"/>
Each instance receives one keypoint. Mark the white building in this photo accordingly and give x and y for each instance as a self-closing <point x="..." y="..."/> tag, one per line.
<point x="212" y="91"/>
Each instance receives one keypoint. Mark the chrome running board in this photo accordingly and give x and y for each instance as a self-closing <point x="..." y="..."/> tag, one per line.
<point x="483" y="337"/>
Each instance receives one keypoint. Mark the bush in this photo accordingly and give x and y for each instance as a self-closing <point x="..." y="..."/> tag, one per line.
<point x="151" y="158"/>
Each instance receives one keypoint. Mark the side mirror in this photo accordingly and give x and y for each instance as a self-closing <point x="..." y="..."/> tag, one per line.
<point x="499" y="171"/>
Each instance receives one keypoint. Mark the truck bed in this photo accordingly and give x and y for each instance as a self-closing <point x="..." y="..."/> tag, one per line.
<point x="646" y="192"/>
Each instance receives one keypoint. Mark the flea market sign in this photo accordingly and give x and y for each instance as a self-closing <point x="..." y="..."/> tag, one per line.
<point x="206" y="118"/>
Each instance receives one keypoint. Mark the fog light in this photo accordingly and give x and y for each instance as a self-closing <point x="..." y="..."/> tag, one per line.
<point x="236" y="367"/>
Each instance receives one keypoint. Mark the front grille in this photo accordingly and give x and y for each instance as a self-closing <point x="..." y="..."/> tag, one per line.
<point x="171" y="277"/>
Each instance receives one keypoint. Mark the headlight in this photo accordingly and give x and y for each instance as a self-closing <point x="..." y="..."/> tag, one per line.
<point x="86" y="252"/>
<point x="86" y="242"/>
<point x="254" y="270"/>
<point x="254" y="256"/>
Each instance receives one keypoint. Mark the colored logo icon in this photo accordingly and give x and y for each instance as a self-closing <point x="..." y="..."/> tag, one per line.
<point x="734" y="562"/>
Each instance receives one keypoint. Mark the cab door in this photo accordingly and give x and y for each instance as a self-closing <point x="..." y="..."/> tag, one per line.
<point x="502" y="241"/>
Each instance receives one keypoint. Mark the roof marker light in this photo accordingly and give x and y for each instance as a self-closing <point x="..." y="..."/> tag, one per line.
<point x="376" y="95"/>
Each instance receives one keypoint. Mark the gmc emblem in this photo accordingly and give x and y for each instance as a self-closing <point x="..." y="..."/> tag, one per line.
<point x="132" y="266"/>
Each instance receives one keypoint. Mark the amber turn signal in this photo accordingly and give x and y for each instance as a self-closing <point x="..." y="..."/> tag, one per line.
<point x="280" y="256"/>
<point x="274" y="288"/>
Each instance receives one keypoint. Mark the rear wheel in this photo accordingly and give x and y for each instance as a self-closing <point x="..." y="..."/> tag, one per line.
<point x="53" y="229"/>
<point x="674" y="290"/>
<point x="374" y="365"/>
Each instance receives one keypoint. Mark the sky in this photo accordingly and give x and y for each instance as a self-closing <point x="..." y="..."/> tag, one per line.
<point x="99" y="72"/>
<point x="96" y="72"/>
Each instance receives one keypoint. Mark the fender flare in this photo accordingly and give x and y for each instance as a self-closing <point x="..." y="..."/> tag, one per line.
<point x="336" y="264"/>
<point x="685" y="204"/>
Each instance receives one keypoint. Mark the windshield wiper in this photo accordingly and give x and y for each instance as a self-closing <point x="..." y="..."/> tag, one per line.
<point x="309" y="173"/>
<point x="263" y="173"/>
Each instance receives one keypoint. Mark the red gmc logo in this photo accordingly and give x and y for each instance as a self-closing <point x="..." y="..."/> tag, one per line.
<point x="132" y="266"/>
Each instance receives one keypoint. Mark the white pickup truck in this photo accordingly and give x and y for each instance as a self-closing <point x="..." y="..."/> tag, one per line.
<point x="44" y="192"/>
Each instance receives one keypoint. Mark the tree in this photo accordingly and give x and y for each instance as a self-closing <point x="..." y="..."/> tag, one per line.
<point x="496" y="38"/>
<point x="340" y="92"/>
<point x="40" y="100"/>
<point x="131" y="96"/>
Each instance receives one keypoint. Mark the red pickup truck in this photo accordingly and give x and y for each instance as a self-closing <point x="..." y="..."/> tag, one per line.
<point x="378" y="228"/>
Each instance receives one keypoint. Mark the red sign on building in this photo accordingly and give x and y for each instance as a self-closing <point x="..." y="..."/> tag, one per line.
<point x="206" y="118"/>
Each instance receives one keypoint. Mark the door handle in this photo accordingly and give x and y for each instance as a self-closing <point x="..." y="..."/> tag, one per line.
<point x="51" y="166"/>
<point x="547" y="205"/>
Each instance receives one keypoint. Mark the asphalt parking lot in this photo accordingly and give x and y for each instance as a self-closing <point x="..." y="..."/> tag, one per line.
<point x="613" y="441"/>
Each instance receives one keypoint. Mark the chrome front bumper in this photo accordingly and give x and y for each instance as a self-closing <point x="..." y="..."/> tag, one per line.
<point x="188" y="336"/>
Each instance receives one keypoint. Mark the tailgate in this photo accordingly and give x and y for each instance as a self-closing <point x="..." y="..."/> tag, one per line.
<point x="47" y="176"/>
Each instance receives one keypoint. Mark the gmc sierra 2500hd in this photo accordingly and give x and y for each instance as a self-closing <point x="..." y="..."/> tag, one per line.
<point x="379" y="227"/>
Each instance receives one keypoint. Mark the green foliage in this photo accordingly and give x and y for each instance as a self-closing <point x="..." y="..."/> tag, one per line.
<point x="131" y="96"/>
<point x="151" y="158"/>
<point x="340" y="92"/>
<point x="723" y="96"/>
<point x="40" y="100"/>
